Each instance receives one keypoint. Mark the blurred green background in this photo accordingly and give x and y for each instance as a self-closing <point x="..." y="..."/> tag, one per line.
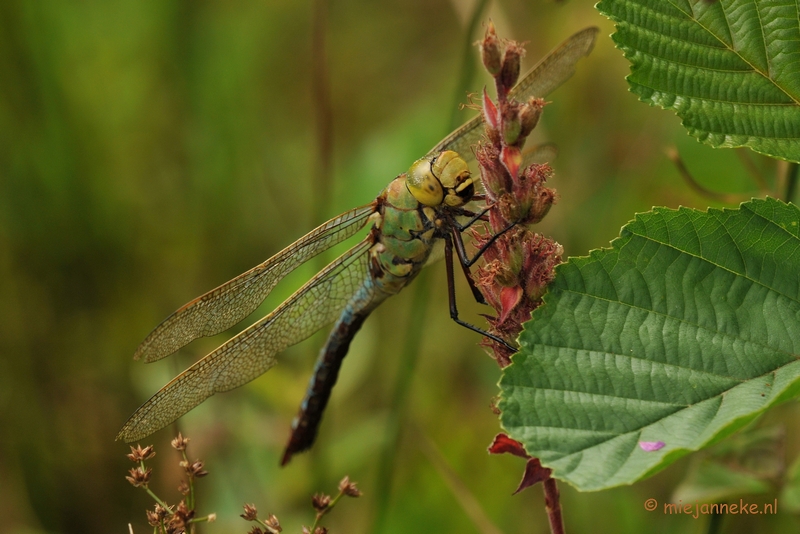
<point x="151" y="150"/>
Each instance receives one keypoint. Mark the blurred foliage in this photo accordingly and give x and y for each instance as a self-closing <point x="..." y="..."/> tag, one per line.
<point x="151" y="150"/>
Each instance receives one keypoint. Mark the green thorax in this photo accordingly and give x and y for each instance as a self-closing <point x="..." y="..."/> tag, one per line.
<point x="416" y="209"/>
<point x="405" y="237"/>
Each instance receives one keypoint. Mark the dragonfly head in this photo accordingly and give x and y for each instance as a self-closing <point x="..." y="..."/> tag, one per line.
<point x="443" y="179"/>
<point x="453" y="173"/>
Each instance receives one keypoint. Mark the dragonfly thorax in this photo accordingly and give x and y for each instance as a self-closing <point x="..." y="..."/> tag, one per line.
<point x="443" y="179"/>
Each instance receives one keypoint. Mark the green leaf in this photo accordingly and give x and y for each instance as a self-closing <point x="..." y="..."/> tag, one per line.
<point x="684" y="331"/>
<point x="714" y="482"/>
<point x="747" y="463"/>
<point x="730" y="68"/>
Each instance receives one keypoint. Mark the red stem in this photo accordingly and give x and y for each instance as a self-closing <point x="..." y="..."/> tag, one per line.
<point x="553" y="506"/>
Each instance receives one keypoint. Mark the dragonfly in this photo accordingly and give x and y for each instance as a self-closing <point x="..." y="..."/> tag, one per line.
<point x="416" y="211"/>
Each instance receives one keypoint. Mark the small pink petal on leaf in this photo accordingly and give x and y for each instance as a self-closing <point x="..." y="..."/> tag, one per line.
<point x="651" y="446"/>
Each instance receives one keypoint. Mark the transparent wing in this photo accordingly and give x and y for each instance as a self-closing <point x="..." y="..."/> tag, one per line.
<point x="541" y="153"/>
<point x="251" y="353"/>
<point x="553" y="70"/>
<point x="231" y="302"/>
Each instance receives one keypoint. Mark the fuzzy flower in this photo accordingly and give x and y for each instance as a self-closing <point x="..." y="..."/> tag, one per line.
<point x="519" y="265"/>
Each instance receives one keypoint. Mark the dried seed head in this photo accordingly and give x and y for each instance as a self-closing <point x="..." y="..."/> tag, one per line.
<point x="161" y="512"/>
<point x="273" y="524"/>
<point x="139" y="477"/>
<point x="139" y="454"/>
<point x="320" y="530"/>
<point x="181" y="517"/>
<point x="180" y="442"/>
<point x="250" y="512"/>
<point x="152" y="518"/>
<point x="255" y="530"/>
<point x="195" y="469"/>
<point x="183" y="510"/>
<point x="320" y="502"/>
<point x="183" y="487"/>
<point x="349" y="488"/>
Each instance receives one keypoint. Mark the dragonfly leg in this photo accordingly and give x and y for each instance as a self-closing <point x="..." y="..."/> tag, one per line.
<point x="305" y="425"/>
<point x="481" y="216"/>
<point x="485" y="246"/>
<point x="462" y="256"/>
<point x="451" y="293"/>
<point x="461" y="250"/>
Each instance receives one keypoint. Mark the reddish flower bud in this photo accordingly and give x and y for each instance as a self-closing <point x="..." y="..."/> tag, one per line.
<point x="511" y="63"/>
<point x="490" y="115"/>
<point x="494" y="176"/>
<point x="511" y="157"/>
<point x="529" y="114"/>
<point x="511" y="125"/>
<point x="491" y="51"/>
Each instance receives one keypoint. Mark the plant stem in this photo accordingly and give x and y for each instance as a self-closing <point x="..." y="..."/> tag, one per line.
<point x="325" y="511"/>
<point x="159" y="501"/>
<point x="552" y="504"/>
<point x="191" y="482"/>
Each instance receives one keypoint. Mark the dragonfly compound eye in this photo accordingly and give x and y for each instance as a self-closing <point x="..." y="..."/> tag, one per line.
<point x="453" y="173"/>
<point x="423" y="185"/>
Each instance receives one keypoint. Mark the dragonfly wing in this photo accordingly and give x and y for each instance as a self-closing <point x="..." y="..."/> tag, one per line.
<point x="252" y="352"/>
<point x="231" y="302"/>
<point x="462" y="139"/>
<point x="556" y="68"/>
<point x="541" y="153"/>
